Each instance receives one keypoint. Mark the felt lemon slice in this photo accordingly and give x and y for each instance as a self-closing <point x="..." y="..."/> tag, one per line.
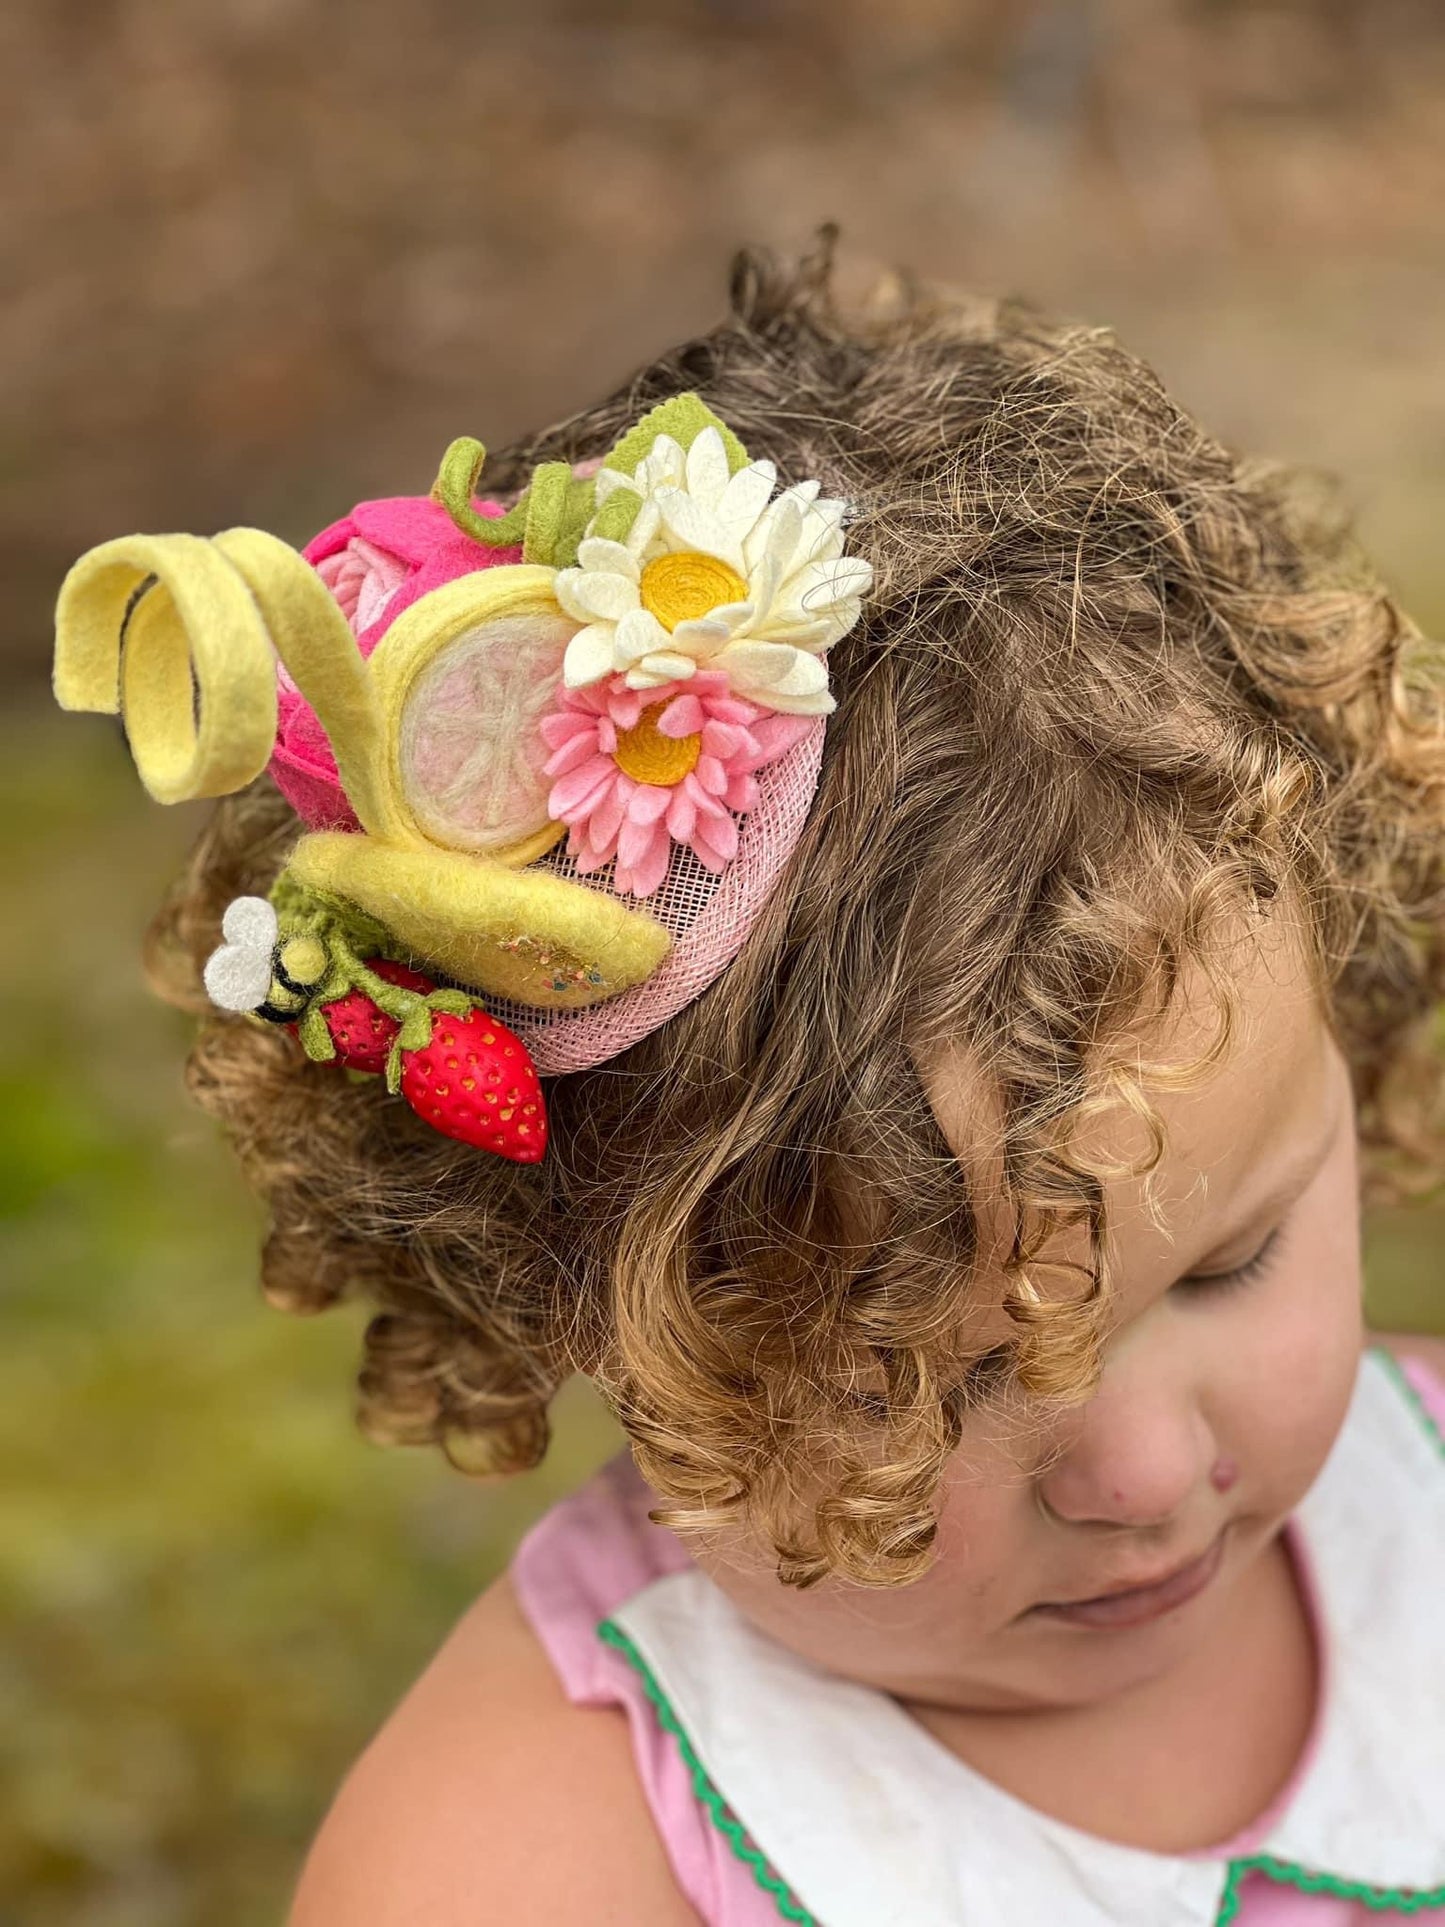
<point x="462" y="680"/>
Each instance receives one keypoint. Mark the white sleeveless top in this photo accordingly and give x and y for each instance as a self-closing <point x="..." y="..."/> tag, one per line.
<point x="857" y="1817"/>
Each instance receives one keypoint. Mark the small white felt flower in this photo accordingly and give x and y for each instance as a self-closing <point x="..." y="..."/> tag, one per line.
<point x="714" y="573"/>
<point x="238" y="975"/>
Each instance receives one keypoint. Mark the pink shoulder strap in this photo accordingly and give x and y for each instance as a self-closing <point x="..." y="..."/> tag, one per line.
<point x="579" y="1564"/>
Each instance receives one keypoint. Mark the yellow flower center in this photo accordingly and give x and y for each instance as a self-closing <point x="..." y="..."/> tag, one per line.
<point x="646" y="755"/>
<point x="677" y="588"/>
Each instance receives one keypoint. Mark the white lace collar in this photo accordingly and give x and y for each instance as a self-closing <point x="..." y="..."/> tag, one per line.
<point x="871" y="1823"/>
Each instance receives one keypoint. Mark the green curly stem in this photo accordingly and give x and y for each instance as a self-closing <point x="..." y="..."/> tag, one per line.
<point x="454" y="487"/>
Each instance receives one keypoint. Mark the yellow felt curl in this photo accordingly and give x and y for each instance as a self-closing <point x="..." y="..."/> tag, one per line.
<point x="313" y="639"/>
<point x="196" y="678"/>
<point x="198" y="617"/>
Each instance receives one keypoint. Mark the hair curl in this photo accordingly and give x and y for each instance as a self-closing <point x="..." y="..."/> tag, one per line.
<point x="1111" y="681"/>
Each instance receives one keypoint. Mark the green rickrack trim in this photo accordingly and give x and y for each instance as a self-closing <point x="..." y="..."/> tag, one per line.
<point x="611" y="1634"/>
<point x="1411" y="1397"/>
<point x="1379" y="1900"/>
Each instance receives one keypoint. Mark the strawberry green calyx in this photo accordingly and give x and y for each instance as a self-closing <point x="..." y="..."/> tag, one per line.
<point x="323" y="953"/>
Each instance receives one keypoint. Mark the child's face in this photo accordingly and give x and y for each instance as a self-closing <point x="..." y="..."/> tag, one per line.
<point x="1217" y="1405"/>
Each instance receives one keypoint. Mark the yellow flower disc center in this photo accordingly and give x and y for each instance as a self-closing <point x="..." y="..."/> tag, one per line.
<point x="646" y="755"/>
<point x="677" y="588"/>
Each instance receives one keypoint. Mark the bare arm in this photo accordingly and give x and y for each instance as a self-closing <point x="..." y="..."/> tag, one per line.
<point x="488" y="1797"/>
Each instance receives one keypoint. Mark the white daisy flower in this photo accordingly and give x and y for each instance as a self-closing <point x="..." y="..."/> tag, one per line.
<point x="716" y="572"/>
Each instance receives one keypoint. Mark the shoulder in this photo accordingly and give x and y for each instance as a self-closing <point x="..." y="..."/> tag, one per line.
<point x="488" y="1796"/>
<point x="1429" y="1350"/>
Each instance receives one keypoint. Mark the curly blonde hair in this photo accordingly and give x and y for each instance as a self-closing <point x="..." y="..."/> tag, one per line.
<point x="1112" y="682"/>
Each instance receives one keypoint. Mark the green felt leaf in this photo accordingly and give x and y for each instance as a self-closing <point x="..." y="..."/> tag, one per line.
<point x="684" y="417"/>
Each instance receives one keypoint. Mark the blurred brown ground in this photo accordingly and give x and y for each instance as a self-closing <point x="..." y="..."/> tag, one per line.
<point x="264" y="258"/>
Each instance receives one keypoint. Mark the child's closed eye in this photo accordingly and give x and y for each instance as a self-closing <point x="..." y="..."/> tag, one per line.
<point x="1204" y="1283"/>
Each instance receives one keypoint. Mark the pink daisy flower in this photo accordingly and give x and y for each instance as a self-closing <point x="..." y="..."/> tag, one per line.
<point x="639" y="770"/>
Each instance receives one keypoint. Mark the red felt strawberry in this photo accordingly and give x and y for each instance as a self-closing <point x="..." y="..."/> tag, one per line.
<point x="476" y="1081"/>
<point x="361" y="1033"/>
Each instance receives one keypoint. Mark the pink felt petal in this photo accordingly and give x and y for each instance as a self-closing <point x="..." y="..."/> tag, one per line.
<point x="643" y="876"/>
<point x="683" y="716"/>
<point x="562" y="725"/>
<point x="704" y="804"/>
<point x="625" y="706"/>
<point x="711" y="774"/>
<point x="318" y="800"/>
<point x="634" y="840"/>
<point x="722" y="740"/>
<point x="681" y="816"/>
<point x="607" y="735"/>
<point x="742" y="792"/>
<point x="333" y="538"/>
<point x="775" y="734"/>
<point x="570" y="755"/>
<point x="719" y="837"/>
<point x="586" y="859"/>
<point x="648" y="802"/>
<point x="606" y="818"/>
<point x="580" y="788"/>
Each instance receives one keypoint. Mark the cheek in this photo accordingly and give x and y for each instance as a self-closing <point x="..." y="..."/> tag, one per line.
<point x="903" y="1638"/>
<point x="1292" y="1371"/>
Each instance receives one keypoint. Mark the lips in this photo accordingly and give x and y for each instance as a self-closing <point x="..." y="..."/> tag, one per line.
<point x="1136" y="1605"/>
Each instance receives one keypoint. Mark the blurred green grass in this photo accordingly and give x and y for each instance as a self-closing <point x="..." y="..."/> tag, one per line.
<point x="213" y="1589"/>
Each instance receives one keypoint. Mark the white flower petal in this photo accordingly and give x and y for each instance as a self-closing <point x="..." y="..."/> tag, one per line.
<point x="763" y="589"/>
<point x="594" y="595"/>
<point x="250" y="921"/>
<point x="596" y="552"/>
<point x="777" y="676"/>
<point x="821" y="537"/>
<point x="644" y="530"/>
<point x="707" y="468"/>
<point x="238" y="977"/>
<point x="774" y="666"/>
<point x="700" y="637"/>
<point x="815" y="587"/>
<point x="775" y="533"/>
<point x="609" y="480"/>
<point x="665" y="666"/>
<point x="746" y="496"/>
<point x="812" y="635"/>
<point x="589" y="656"/>
<point x="691" y="525"/>
<point x="638" y="633"/>
<point x="729" y="616"/>
<point x="664" y="465"/>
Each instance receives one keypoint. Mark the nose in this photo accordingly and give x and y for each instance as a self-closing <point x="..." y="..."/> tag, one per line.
<point x="1134" y="1455"/>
